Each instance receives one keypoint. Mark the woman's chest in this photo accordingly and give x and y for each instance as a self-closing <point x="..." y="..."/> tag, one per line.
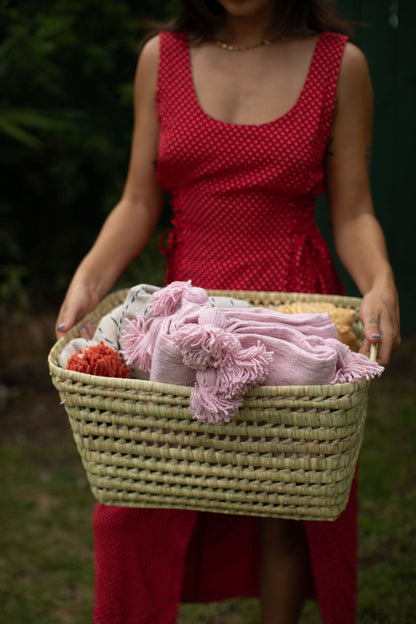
<point x="253" y="87"/>
<point x="217" y="139"/>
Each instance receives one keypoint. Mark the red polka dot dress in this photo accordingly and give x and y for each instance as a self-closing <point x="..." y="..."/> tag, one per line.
<point x="243" y="196"/>
<point x="243" y="218"/>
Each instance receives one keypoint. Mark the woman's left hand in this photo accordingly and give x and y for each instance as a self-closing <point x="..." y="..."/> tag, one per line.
<point x="379" y="313"/>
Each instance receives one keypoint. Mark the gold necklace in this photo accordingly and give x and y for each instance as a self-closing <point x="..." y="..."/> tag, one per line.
<point x="232" y="48"/>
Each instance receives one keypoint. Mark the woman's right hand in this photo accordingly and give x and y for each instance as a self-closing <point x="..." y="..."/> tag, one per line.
<point x="78" y="301"/>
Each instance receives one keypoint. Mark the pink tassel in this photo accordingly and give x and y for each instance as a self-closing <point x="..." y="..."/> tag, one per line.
<point x="204" y="346"/>
<point x="204" y="343"/>
<point x="169" y="300"/>
<point x="225" y="370"/>
<point x="136" y="344"/>
<point x="212" y="408"/>
<point x="244" y="369"/>
<point x="353" y="366"/>
<point x="207" y="404"/>
<point x="220" y="391"/>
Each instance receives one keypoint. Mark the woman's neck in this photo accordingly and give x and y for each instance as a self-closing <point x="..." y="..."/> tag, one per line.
<point x="244" y="30"/>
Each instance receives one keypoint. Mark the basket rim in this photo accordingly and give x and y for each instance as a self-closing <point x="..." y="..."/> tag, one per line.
<point x="346" y="300"/>
<point x="142" y="385"/>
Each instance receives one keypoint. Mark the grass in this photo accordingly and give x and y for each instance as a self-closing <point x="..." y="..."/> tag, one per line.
<point x="388" y="506"/>
<point x="46" y="555"/>
<point x="46" y="572"/>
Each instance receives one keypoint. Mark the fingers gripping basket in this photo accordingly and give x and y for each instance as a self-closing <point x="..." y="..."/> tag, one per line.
<point x="290" y="452"/>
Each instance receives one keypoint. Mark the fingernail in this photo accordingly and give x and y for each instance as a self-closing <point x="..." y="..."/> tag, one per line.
<point x="61" y="326"/>
<point x="375" y="336"/>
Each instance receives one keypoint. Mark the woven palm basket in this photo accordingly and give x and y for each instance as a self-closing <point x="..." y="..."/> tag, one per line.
<point x="290" y="452"/>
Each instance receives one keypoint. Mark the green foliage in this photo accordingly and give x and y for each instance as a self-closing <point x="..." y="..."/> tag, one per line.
<point x="66" y="70"/>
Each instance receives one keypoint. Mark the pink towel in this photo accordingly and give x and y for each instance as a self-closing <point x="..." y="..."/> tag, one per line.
<point x="224" y="353"/>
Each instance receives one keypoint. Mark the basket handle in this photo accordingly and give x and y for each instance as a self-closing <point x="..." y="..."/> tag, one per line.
<point x="373" y="351"/>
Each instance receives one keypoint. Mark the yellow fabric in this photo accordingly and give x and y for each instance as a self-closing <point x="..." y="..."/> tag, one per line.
<point x="343" y="318"/>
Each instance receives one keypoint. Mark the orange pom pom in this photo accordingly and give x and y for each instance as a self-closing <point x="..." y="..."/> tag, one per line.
<point x="99" y="360"/>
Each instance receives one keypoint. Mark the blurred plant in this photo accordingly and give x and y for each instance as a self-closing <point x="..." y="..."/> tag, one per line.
<point x="66" y="70"/>
<point x="16" y="124"/>
<point x="12" y="290"/>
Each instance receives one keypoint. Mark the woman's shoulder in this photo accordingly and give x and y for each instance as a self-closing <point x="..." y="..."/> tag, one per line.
<point x="354" y="88"/>
<point x="150" y="50"/>
<point x="353" y="59"/>
<point x="162" y="41"/>
<point x="148" y="60"/>
<point x="162" y="48"/>
<point x="353" y="66"/>
<point x="354" y="71"/>
<point x="147" y="66"/>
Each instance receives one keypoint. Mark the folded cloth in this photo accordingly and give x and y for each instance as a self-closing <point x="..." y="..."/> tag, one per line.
<point x="135" y="306"/>
<point x="343" y="318"/>
<point x="228" y="351"/>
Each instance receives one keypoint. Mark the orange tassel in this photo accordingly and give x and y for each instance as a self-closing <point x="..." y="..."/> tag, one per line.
<point x="99" y="360"/>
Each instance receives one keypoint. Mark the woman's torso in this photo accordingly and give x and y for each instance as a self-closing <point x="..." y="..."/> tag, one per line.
<point x="243" y="194"/>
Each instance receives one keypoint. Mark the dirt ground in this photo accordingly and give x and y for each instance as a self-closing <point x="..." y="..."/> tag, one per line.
<point x="29" y="404"/>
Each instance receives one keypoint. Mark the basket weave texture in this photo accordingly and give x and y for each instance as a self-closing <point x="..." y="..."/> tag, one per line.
<point x="290" y="452"/>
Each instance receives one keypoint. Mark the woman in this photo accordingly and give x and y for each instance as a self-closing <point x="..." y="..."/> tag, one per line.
<point x="248" y="109"/>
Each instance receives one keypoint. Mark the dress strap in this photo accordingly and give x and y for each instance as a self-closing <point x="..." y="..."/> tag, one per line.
<point x="325" y="72"/>
<point x="173" y="76"/>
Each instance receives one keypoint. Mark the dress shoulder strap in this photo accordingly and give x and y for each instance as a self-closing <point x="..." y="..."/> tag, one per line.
<point x="326" y="68"/>
<point x="173" y="76"/>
